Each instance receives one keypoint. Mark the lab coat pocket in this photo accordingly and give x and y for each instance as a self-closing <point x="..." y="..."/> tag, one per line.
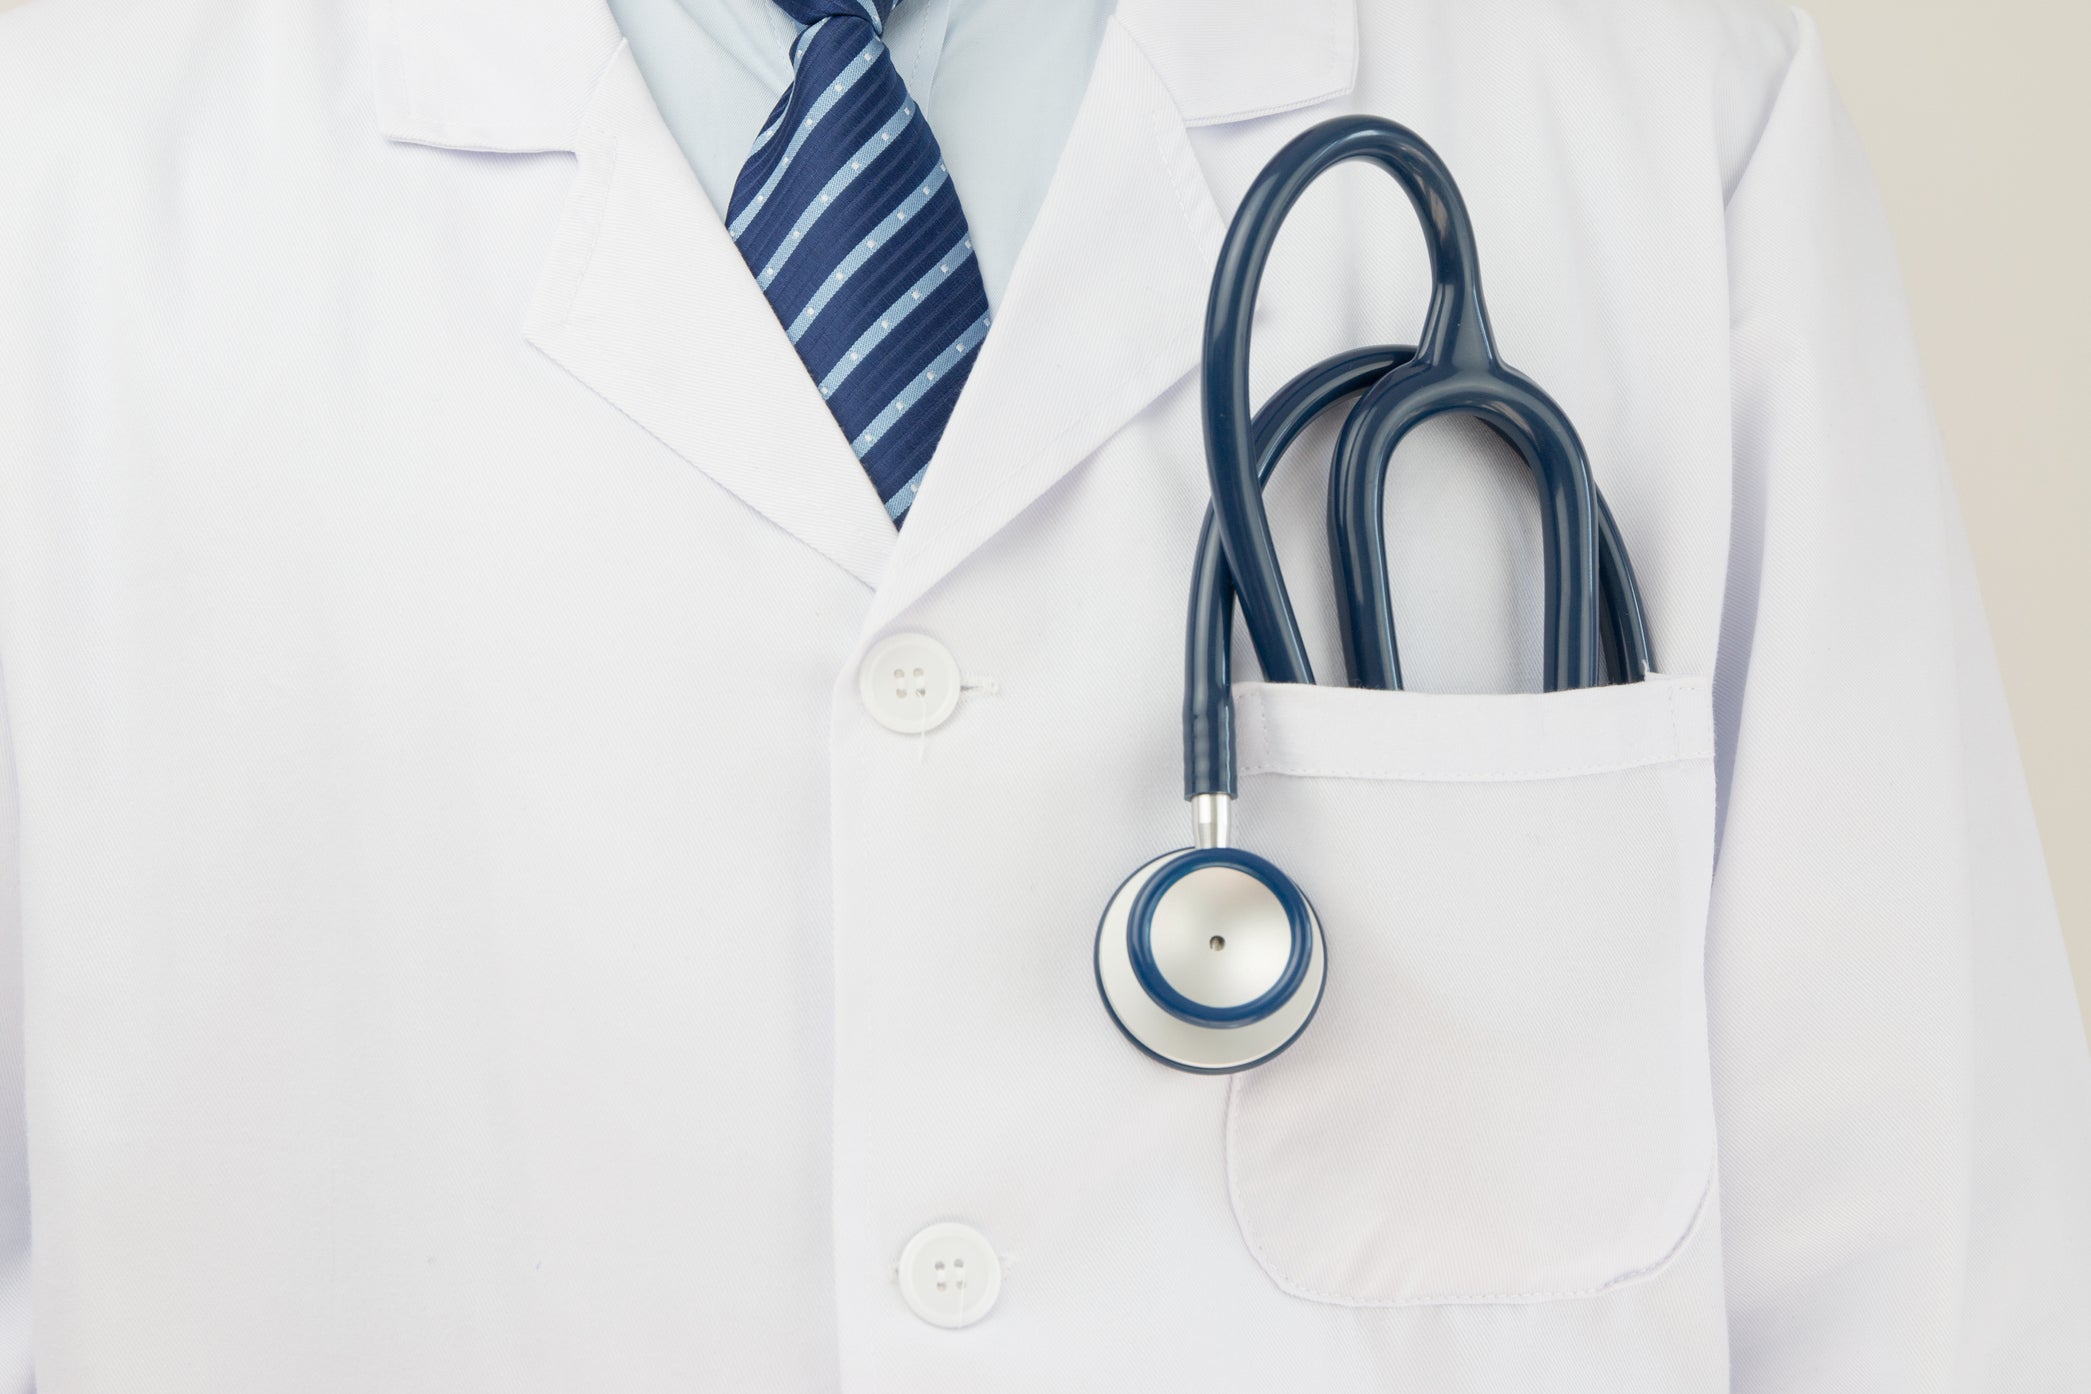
<point x="1505" y="1095"/>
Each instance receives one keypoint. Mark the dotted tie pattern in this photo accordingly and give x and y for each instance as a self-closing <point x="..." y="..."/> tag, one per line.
<point x="847" y="216"/>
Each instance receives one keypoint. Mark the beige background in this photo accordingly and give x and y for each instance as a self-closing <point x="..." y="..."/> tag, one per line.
<point x="1977" y="116"/>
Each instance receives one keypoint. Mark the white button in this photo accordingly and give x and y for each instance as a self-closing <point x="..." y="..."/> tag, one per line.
<point x="949" y="1275"/>
<point x="910" y="683"/>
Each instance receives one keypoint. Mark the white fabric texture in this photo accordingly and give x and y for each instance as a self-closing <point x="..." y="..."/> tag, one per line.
<point x="472" y="936"/>
<point x="998" y="81"/>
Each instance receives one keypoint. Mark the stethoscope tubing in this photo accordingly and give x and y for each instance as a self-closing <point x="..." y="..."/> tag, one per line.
<point x="1596" y="625"/>
<point x="1238" y="1013"/>
<point x="1208" y="713"/>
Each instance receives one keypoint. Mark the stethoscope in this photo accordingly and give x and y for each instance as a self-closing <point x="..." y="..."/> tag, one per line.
<point x="1210" y="958"/>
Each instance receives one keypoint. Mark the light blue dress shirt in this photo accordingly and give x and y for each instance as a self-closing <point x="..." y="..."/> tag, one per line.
<point x="999" y="81"/>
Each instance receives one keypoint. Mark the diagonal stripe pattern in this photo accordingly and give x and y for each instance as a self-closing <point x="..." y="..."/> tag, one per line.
<point x="848" y="219"/>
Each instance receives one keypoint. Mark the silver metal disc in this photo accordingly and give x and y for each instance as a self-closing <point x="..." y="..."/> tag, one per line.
<point x="1170" y="1039"/>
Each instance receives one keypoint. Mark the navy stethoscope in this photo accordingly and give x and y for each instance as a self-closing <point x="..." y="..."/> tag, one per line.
<point x="1210" y="958"/>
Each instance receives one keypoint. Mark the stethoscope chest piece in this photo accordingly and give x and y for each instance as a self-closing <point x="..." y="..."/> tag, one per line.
<point x="1210" y="960"/>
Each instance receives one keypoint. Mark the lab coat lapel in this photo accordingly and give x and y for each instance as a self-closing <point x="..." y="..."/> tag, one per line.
<point x="1105" y="308"/>
<point x="643" y="297"/>
<point x="1101" y="314"/>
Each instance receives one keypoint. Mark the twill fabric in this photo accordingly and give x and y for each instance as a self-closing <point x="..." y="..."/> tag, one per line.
<point x="404" y="725"/>
<point x="847" y="216"/>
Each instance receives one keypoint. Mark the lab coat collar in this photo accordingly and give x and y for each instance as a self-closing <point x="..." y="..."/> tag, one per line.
<point x="506" y="76"/>
<point x="1230" y="60"/>
<point x="517" y="75"/>
<point x="644" y="298"/>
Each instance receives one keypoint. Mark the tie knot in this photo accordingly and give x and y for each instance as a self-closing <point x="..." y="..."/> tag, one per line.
<point x="814" y="11"/>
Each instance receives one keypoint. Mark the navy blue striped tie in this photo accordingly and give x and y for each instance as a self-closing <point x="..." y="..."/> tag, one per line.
<point x="847" y="217"/>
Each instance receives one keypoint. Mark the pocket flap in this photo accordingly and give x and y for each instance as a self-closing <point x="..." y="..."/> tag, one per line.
<point x="1346" y="733"/>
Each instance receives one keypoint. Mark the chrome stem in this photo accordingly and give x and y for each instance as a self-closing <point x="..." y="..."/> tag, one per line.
<point x="1209" y="820"/>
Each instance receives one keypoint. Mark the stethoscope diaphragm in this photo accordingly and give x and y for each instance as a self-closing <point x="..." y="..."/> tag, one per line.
<point x="1210" y="959"/>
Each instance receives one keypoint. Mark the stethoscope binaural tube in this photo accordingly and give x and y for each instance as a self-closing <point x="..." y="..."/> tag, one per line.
<point x="1190" y="1009"/>
<point x="1208" y="708"/>
<point x="1209" y="632"/>
<point x="1456" y="370"/>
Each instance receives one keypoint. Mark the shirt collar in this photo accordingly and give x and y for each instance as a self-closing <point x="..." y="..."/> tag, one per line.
<point x="515" y="75"/>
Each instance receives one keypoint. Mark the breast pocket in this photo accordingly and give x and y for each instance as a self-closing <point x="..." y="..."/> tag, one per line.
<point x="1505" y="1095"/>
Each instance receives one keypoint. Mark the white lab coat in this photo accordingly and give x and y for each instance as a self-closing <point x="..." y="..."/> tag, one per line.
<point x="473" y="936"/>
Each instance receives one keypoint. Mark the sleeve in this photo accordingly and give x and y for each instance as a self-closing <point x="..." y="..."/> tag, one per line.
<point x="15" y="1373"/>
<point x="17" y="105"/>
<point x="1902" y="1085"/>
